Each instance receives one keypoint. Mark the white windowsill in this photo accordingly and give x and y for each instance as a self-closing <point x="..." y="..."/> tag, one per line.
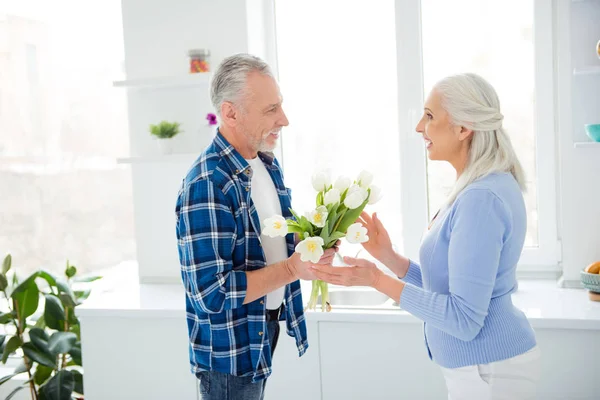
<point x="547" y="305"/>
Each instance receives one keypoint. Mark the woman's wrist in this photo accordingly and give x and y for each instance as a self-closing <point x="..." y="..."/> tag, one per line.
<point x="396" y="263"/>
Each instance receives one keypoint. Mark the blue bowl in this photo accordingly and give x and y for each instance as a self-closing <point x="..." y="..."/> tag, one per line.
<point x="593" y="131"/>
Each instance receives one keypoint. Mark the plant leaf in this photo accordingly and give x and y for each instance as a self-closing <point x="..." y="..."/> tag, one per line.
<point x="2" y="337"/>
<point x="3" y="282"/>
<point x="82" y="295"/>
<point x="11" y="346"/>
<point x="42" y="373"/>
<point x="67" y="300"/>
<point x="6" y="264"/>
<point x="78" y="376"/>
<point x="40" y="339"/>
<point x="54" y="314"/>
<point x="76" y="329"/>
<point x="59" y="387"/>
<point x="24" y="285"/>
<point x="70" y="271"/>
<point x="61" y="342"/>
<point x="75" y="353"/>
<point x="6" y="317"/>
<point x="350" y="217"/>
<point x="40" y="323"/>
<point x="48" y="277"/>
<point x="87" y="279"/>
<point x="33" y="353"/>
<point x="26" y="298"/>
<point x="64" y="287"/>
<point x="295" y="229"/>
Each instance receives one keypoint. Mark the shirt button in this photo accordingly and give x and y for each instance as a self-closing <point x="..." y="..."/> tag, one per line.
<point x="248" y="172"/>
<point x="247" y="189"/>
<point x="260" y="333"/>
<point x="262" y="302"/>
<point x="237" y="171"/>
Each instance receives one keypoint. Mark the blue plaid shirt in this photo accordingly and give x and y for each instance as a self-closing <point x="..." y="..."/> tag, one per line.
<point x="218" y="236"/>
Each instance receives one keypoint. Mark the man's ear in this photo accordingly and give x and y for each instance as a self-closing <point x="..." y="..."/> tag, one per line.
<point x="228" y="114"/>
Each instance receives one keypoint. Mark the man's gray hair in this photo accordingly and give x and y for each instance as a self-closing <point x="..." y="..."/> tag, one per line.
<point x="229" y="82"/>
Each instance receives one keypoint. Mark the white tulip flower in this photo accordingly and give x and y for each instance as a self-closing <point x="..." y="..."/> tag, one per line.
<point x="275" y="226"/>
<point x="355" y="197"/>
<point x="357" y="234"/>
<point x="342" y="183"/>
<point x="321" y="180"/>
<point x="376" y="194"/>
<point x="365" y="178"/>
<point x="318" y="217"/>
<point x="332" y="196"/>
<point x="311" y="249"/>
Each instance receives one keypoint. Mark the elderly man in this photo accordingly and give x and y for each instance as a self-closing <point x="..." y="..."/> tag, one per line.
<point x="239" y="283"/>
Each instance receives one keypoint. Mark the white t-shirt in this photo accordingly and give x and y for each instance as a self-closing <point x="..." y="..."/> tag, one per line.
<point x="266" y="201"/>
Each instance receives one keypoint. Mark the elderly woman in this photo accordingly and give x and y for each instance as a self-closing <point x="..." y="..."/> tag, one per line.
<point x="468" y="257"/>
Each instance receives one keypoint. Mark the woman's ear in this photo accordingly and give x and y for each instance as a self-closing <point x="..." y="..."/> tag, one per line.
<point x="464" y="133"/>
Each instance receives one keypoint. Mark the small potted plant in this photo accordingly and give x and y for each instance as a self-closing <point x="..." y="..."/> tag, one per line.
<point x="165" y="131"/>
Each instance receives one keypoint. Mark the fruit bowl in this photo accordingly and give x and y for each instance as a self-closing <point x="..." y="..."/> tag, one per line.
<point x="593" y="131"/>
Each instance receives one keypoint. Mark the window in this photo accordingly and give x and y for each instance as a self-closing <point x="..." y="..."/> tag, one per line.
<point x="340" y="97"/>
<point x="364" y="79"/>
<point x="62" y="125"/>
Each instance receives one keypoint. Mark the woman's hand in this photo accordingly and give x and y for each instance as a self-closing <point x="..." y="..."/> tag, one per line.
<point x="379" y="244"/>
<point x="362" y="273"/>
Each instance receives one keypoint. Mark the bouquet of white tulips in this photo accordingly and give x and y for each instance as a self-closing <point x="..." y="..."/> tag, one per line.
<point x="338" y="207"/>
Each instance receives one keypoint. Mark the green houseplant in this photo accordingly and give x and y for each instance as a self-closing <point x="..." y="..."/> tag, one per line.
<point x="47" y="339"/>
<point x="163" y="132"/>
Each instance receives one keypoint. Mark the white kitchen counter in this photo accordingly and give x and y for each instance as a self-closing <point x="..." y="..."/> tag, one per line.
<point x="546" y="305"/>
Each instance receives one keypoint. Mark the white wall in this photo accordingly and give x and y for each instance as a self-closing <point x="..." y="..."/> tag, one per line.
<point x="578" y="103"/>
<point x="158" y="35"/>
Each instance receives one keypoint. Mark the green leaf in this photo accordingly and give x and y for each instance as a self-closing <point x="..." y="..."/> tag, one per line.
<point x="334" y="238"/>
<point x="54" y="313"/>
<point x="61" y="342"/>
<point x="82" y="295"/>
<point x="48" y="277"/>
<point x="33" y="353"/>
<point x="6" y="264"/>
<point x="295" y="229"/>
<point x="70" y="270"/>
<point x="26" y="284"/>
<point x="320" y="199"/>
<point x="64" y="287"/>
<point x="11" y="346"/>
<point x="78" y="376"/>
<point x="26" y="299"/>
<point x="325" y="232"/>
<point x="67" y="300"/>
<point x="295" y="215"/>
<point x="87" y="279"/>
<point x="40" y="338"/>
<point x="59" y="387"/>
<point x="42" y="373"/>
<point x="2" y="337"/>
<point x="75" y="353"/>
<point x="3" y="282"/>
<point x="6" y="317"/>
<point x="76" y="329"/>
<point x="350" y="217"/>
<point x="40" y="323"/>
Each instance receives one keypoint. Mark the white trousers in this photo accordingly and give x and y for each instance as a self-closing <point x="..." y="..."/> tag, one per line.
<point x="512" y="379"/>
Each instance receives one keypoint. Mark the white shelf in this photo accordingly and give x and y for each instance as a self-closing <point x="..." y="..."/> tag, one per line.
<point x="158" y="159"/>
<point x="587" y="145"/>
<point x="595" y="70"/>
<point x="198" y="79"/>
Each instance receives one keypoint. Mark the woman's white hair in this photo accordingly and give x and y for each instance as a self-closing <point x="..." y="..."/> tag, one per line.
<point x="229" y="82"/>
<point x="472" y="102"/>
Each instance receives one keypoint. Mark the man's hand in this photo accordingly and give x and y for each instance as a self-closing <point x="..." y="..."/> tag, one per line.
<point x="302" y="270"/>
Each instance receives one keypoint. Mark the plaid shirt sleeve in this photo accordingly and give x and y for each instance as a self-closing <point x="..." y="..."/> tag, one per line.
<point x="207" y="234"/>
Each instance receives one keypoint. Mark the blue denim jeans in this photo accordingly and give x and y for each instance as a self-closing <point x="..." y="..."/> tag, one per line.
<point x="213" y="385"/>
